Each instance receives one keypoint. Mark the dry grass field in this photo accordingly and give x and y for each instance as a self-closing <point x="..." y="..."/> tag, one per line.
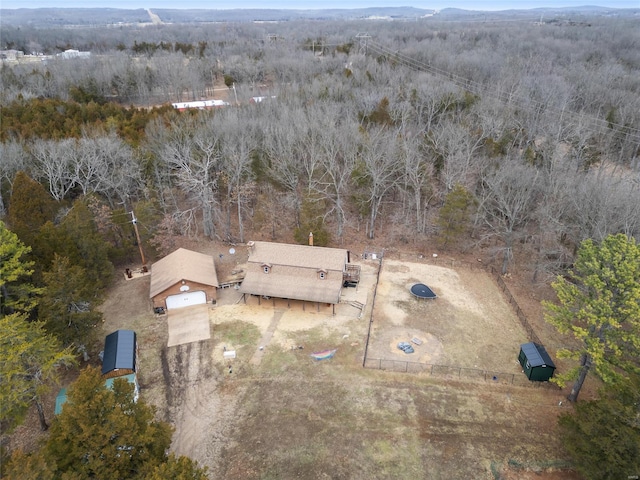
<point x="276" y="413"/>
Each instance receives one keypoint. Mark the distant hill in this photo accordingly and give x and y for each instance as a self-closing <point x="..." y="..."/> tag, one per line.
<point x="51" y="17"/>
<point x="47" y="17"/>
<point x="250" y="15"/>
<point x="66" y="17"/>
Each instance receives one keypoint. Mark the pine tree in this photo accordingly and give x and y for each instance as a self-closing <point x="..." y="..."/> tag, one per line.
<point x="105" y="433"/>
<point x="453" y="220"/>
<point x="66" y="306"/>
<point x="16" y="293"/>
<point x="30" y="207"/>
<point x="599" y="304"/>
<point x="29" y="363"/>
<point x="603" y="435"/>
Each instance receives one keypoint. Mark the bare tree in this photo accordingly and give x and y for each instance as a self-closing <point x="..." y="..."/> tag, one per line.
<point x="107" y="166"/>
<point x="377" y="171"/>
<point x="239" y="142"/>
<point x="194" y="158"/>
<point x="53" y="162"/>
<point x="14" y="160"/>
<point x="285" y="169"/>
<point x="339" y="151"/>
<point x="458" y="148"/>
<point x="416" y="177"/>
<point x="604" y="201"/>
<point x="507" y="199"/>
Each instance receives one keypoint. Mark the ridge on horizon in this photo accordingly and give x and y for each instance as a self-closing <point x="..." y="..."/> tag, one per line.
<point x="126" y="12"/>
<point x="297" y="7"/>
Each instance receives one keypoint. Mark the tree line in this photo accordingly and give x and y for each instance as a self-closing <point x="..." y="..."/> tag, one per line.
<point x="439" y="136"/>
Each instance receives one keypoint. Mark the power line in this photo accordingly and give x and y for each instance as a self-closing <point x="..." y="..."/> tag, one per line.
<point x="592" y="123"/>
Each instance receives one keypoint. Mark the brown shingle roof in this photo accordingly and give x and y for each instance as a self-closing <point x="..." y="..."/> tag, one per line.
<point x="293" y="287"/>
<point x="297" y="255"/>
<point x="294" y="272"/>
<point x="181" y="265"/>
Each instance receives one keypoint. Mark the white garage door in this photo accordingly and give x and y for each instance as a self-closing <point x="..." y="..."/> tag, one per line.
<point x="186" y="299"/>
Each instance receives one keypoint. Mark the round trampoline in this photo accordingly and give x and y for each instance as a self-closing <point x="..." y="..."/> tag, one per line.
<point x="420" y="290"/>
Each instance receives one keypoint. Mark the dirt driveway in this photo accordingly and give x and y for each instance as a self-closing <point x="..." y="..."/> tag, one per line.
<point x="188" y="324"/>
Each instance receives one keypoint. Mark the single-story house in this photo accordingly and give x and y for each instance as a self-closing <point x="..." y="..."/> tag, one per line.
<point x="183" y="278"/>
<point x="295" y="272"/>
<point x="536" y="362"/>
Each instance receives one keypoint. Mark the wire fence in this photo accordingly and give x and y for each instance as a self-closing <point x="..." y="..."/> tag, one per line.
<point x="451" y="372"/>
<point x="531" y="334"/>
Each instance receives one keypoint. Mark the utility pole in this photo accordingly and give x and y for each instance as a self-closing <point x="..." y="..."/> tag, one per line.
<point x="364" y="40"/>
<point x="235" y="94"/>
<point x="134" y="220"/>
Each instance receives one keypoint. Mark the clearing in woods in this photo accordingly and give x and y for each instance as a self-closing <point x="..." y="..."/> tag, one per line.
<point x="289" y="416"/>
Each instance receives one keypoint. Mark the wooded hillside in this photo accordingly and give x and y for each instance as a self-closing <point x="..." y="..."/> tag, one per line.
<point x="516" y="140"/>
<point x="536" y="125"/>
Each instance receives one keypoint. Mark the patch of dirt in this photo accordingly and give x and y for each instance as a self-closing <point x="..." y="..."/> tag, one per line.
<point x="510" y="473"/>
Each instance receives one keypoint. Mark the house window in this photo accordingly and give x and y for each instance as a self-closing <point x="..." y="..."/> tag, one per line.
<point x="266" y="268"/>
<point x="322" y="274"/>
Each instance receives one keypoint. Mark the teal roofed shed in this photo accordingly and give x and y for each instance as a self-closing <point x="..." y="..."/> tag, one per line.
<point x="536" y="362"/>
<point x="61" y="399"/>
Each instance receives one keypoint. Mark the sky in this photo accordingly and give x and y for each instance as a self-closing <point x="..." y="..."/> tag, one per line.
<point x="314" y="4"/>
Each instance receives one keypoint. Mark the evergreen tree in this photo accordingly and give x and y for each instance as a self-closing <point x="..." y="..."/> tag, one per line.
<point x="599" y="304"/>
<point x="88" y="248"/>
<point x="104" y="433"/>
<point x="603" y="436"/>
<point x="312" y="221"/>
<point x="23" y="466"/>
<point x="30" y="207"/>
<point x="29" y="363"/>
<point x="453" y="220"/>
<point x="51" y="240"/>
<point x="16" y="293"/>
<point x="66" y="307"/>
<point x="178" y="468"/>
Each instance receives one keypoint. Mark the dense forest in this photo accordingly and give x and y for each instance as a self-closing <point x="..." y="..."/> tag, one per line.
<point x="519" y="139"/>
